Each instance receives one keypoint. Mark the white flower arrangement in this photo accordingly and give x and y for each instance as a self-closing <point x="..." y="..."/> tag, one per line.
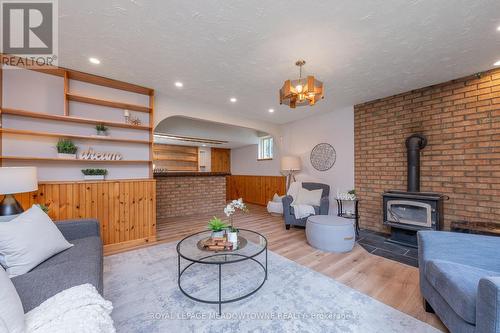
<point x="231" y="209"/>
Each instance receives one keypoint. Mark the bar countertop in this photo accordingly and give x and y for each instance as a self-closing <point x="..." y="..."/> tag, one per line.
<point x="190" y="174"/>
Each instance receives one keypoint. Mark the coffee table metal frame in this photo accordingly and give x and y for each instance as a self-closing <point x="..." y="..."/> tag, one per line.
<point x="220" y="263"/>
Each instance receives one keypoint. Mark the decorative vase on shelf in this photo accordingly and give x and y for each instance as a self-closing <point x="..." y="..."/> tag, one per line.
<point x="66" y="156"/>
<point x="102" y="133"/>
<point x="93" y="177"/>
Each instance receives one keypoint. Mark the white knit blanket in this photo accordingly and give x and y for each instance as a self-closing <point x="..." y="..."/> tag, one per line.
<point x="302" y="211"/>
<point x="78" y="309"/>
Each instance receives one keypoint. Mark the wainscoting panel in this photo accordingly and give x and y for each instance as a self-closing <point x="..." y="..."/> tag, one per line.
<point x="126" y="209"/>
<point x="254" y="189"/>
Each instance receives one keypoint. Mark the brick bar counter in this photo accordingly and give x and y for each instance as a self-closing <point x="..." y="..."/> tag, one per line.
<point x="189" y="193"/>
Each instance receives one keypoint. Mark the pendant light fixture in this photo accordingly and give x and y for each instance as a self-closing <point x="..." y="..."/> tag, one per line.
<point x="301" y="91"/>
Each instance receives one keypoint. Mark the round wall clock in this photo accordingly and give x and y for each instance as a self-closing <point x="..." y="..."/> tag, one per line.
<point x="323" y="156"/>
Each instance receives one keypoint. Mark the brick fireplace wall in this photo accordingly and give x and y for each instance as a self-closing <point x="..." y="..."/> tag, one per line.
<point x="189" y="195"/>
<point x="461" y="120"/>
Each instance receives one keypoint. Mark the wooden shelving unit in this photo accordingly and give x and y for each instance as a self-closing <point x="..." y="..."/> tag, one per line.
<point x="115" y="106"/>
<point x="175" y="158"/>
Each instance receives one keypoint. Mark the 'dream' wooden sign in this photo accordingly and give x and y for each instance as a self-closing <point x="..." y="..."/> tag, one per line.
<point x="90" y="154"/>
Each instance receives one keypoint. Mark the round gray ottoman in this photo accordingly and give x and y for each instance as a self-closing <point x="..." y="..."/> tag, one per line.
<point x="330" y="233"/>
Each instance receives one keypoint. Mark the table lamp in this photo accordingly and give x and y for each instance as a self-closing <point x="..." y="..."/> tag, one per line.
<point x="290" y="164"/>
<point x="15" y="180"/>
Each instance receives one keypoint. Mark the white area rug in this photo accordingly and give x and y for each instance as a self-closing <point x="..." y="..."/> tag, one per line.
<point x="142" y="285"/>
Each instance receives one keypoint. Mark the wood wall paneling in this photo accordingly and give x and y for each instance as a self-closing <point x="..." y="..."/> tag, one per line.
<point x="254" y="189"/>
<point x="124" y="208"/>
<point x="220" y="160"/>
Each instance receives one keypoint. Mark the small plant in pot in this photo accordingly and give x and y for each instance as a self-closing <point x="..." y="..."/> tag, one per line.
<point x="101" y="129"/>
<point x="94" y="174"/>
<point x="66" y="149"/>
<point x="217" y="226"/>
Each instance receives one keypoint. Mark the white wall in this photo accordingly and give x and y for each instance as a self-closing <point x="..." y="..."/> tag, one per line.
<point x="299" y="138"/>
<point x="244" y="162"/>
<point x="335" y="128"/>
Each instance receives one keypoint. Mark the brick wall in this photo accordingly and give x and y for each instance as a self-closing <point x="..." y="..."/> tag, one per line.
<point x="182" y="196"/>
<point x="461" y="120"/>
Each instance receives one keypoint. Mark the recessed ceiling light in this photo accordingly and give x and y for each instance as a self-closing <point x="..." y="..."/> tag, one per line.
<point x="233" y="100"/>
<point x="497" y="63"/>
<point x="498" y="28"/>
<point x="203" y="145"/>
<point x="95" y="61"/>
<point x="179" y="84"/>
<point x="271" y="110"/>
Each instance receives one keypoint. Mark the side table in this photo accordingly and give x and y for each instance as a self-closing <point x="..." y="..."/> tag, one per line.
<point x="341" y="213"/>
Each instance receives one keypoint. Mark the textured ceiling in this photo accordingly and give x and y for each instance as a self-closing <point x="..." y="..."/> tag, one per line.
<point x="362" y="50"/>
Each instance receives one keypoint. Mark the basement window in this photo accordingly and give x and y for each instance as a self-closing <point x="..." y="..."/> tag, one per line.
<point x="265" y="148"/>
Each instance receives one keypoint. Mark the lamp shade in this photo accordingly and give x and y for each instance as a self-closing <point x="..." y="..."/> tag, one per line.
<point x="18" y="180"/>
<point x="290" y="163"/>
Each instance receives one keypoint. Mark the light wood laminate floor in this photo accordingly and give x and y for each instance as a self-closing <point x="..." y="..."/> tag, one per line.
<point x="390" y="282"/>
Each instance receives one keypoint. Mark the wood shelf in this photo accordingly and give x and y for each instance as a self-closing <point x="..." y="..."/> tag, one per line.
<point x="55" y="159"/>
<point x="64" y="135"/>
<point x="38" y="115"/>
<point x="107" y="103"/>
<point x="156" y="158"/>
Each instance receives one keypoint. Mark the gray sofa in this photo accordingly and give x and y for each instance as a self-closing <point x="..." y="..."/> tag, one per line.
<point x="82" y="263"/>
<point x="460" y="279"/>
<point x="322" y="209"/>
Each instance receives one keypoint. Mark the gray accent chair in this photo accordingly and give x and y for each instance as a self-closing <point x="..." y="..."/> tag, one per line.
<point x="322" y="209"/>
<point x="460" y="279"/>
<point x="80" y="264"/>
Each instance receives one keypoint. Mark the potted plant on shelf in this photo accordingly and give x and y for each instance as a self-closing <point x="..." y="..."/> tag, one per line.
<point x="101" y="129"/>
<point x="217" y="226"/>
<point x="66" y="149"/>
<point x="94" y="174"/>
<point x="232" y="232"/>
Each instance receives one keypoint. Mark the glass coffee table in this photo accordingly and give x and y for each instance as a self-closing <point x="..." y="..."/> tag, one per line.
<point x="251" y="245"/>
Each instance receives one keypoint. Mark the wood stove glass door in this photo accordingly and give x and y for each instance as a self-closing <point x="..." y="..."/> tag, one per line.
<point x="409" y="212"/>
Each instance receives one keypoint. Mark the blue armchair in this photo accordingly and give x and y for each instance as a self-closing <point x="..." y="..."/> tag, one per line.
<point x="460" y="279"/>
<point x="322" y="209"/>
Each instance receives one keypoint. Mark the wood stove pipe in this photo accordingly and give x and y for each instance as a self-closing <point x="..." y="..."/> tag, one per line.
<point x="414" y="143"/>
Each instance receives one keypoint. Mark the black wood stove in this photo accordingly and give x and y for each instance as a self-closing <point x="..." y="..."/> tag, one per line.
<point x="411" y="211"/>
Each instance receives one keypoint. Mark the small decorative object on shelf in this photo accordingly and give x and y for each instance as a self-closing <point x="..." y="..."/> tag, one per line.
<point x="101" y="130"/>
<point x="94" y="174"/>
<point x="217" y="226"/>
<point x="351" y="195"/>
<point x="131" y="120"/>
<point x="90" y="154"/>
<point x="134" y="121"/>
<point x="126" y="115"/>
<point x="66" y="149"/>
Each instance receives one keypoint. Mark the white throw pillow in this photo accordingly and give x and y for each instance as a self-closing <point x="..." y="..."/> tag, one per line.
<point x="28" y="240"/>
<point x="11" y="308"/>
<point x="306" y="197"/>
